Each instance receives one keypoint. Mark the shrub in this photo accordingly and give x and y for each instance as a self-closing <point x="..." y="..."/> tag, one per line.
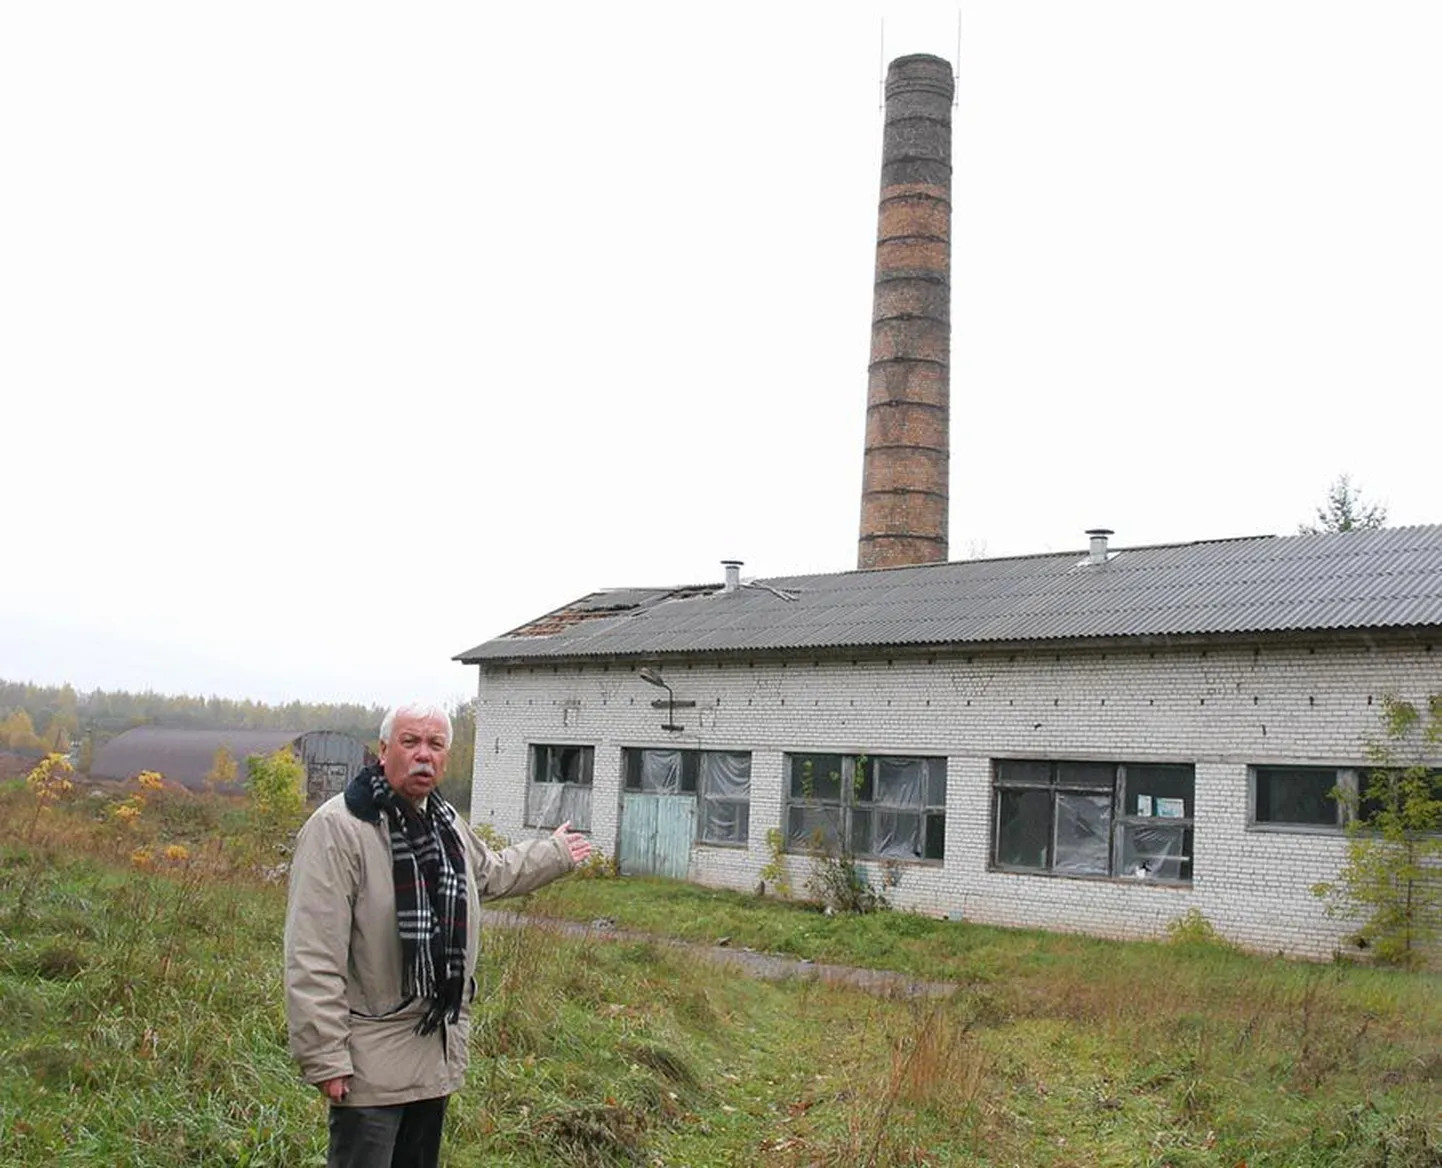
<point x="276" y="785"/>
<point x="1392" y="878"/>
<point x="839" y="882"/>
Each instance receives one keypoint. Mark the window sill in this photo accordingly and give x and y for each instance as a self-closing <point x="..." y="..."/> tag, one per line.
<point x="1321" y="829"/>
<point x="879" y="860"/>
<point x="1324" y="832"/>
<point x="730" y="847"/>
<point x="1129" y="881"/>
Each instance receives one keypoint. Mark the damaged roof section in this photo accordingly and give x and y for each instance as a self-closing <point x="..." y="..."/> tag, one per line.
<point x="597" y="605"/>
<point x="1361" y="580"/>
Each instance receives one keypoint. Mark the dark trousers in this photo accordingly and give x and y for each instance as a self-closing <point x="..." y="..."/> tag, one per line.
<point x="407" y="1135"/>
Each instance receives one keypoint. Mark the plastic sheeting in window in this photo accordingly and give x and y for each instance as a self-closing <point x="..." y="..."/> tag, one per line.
<point x="552" y="804"/>
<point x="900" y="782"/>
<point x="892" y="835"/>
<point x="661" y="772"/>
<point x="803" y="822"/>
<point x="725" y="822"/>
<point x="725" y="810"/>
<point x="1083" y="834"/>
<point x="1155" y="851"/>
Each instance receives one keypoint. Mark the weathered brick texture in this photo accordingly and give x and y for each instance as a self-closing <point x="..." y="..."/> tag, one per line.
<point x="903" y="382"/>
<point x="909" y="424"/>
<point x="911" y="329"/>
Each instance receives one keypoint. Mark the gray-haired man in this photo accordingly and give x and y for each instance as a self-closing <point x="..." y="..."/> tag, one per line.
<point x="381" y="939"/>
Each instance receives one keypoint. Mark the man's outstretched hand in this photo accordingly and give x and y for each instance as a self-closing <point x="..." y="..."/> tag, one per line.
<point x="577" y="844"/>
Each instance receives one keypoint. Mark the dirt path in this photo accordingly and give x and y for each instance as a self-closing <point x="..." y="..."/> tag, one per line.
<point x="764" y="965"/>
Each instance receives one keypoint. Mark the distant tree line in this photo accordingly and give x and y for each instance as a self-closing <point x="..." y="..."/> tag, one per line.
<point x="39" y="719"/>
<point x="105" y="713"/>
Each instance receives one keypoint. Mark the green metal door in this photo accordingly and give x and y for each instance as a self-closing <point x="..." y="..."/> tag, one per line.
<point x="656" y="835"/>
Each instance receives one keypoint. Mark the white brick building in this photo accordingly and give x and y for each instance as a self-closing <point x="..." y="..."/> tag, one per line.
<point x="1097" y="746"/>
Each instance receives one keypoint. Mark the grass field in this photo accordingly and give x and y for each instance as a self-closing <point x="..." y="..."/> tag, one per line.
<point x="141" y="1016"/>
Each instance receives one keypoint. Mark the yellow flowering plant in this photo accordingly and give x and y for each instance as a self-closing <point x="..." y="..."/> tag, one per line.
<point x="127" y="812"/>
<point x="49" y="782"/>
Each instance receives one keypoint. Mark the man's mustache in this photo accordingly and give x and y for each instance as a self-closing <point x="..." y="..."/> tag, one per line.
<point x="423" y="768"/>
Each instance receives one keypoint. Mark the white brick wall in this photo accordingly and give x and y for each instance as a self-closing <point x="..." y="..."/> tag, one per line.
<point x="1222" y="708"/>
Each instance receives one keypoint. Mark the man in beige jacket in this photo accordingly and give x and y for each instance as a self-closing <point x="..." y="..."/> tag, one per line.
<point x="381" y="937"/>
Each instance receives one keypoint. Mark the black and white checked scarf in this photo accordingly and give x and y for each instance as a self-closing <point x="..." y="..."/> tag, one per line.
<point x="429" y="870"/>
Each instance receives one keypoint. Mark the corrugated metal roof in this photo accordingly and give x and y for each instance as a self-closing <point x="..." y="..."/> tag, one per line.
<point x="1264" y="584"/>
<point x="186" y="756"/>
<point x="183" y="756"/>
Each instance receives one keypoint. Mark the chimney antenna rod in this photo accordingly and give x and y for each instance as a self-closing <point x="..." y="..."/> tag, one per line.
<point x="956" y="65"/>
<point x="881" y="69"/>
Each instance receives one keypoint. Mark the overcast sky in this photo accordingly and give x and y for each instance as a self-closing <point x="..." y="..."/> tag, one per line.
<point x="338" y="338"/>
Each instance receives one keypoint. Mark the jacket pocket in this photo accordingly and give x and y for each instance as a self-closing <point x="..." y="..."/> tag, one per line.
<point x="391" y="1013"/>
<point x="388" y="1054"/>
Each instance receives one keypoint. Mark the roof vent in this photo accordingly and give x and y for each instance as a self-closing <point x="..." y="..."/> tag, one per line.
<point x="733" y="575"/>
<point x="1098" y="552"/>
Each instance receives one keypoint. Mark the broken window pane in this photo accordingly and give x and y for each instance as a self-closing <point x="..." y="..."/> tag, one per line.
<point x="561" y="764"/>
<point x="877" y="806"/>
<point x="816" y="776"/>
<point x="1156" y="851"/>
<point x="1094" y="818"/>
<point x="560" y="787"/>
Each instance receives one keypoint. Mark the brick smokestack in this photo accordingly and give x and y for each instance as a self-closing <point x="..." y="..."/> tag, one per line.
<point x="904" y="486"/>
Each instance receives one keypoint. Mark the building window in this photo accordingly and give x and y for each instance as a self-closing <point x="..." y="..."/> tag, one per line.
<point x="1381" y="790"/>
<point x="1322" y="797"/>
<point x="560" y="787"/>
<point x="720" y="780"/>
<point x="1094" y="819"/>
<point x="1300" y="796"/>
<point x="883" y="807"/>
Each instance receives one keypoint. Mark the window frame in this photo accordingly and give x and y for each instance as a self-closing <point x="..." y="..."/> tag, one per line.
<point x="538" y="756"/>
<point x="1349" y="793"/>
<point x="690" y="786"/>
<point x="1345" y="780"/>
<point x="848" y="801"/>
<point x="1124" y="821"/>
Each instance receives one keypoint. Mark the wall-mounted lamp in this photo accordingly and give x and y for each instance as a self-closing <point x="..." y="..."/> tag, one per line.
<point x="651" y="677"/>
